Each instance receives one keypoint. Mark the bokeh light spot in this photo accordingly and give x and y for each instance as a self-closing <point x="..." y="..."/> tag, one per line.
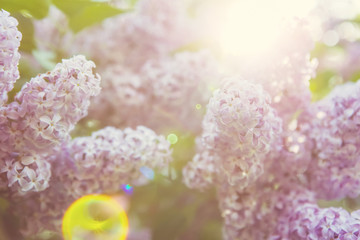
<point x="95" y="217"/>
<point x="172" y="138"/>
<point x="128" y="189"/>
<point x="198" y="106"/>
<point x="147" y="172"/>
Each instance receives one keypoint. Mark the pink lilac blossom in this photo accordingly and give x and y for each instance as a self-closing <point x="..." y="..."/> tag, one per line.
<point x="10" y="39"/>
<point x="200" y="172"/>
<point x="152" y="30"/>
<point x="40" y="119"/>
<point x="334" y="170"/>
<point x="239" y="128"/>
<point x="258" y="211"/>
<point x="308" y="221"/>
<point x="172" y="86"/>
<point x="100" y="163"/>
<point x="275" y="209"/>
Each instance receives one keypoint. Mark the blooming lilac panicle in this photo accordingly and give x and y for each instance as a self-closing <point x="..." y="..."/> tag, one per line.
<point x="100" y="163"/>
<point x="244" y="120"/>
<point x="259" y="210"/>
<point x="123" y="99"/>
<point x="179" y="85"/>
<point x="176" y="87"/>
<point x="41" y="117"/>
<point x="239" y="127"/>
<point x="200" y="172"/>
<point x="152" y="30"/>
<point x="55" y="101"/>
<point x="308" y="221"/>
<point x="10" y="39"/>
<point x="115" y="157"/>
<point x="334" y="171"/>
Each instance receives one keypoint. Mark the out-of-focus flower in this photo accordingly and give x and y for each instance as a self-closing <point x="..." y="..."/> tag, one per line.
<point x="152" y="30"/>
<point x="10" y="39"/>
<point x="172" y="86"/>
<point x="101" y="163"/>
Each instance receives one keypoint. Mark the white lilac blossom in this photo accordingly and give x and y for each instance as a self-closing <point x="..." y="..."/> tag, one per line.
<point x="10" y="39"/>
<point x="40" y="119"/>
<point x="100" y="163"/>
<point x="239" y="128"/>
<point x="334" y="129"/>
<point x="173" y="87"/>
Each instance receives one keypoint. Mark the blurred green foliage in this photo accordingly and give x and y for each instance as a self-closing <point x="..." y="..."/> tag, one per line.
<point x="166" y="206"/>
<point x="80" y="14"/>
<point x="84" y="13"/>
<point x="34" y="8"/>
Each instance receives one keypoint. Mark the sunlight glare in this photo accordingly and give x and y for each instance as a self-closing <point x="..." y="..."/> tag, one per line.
<point x="252" y="27"/>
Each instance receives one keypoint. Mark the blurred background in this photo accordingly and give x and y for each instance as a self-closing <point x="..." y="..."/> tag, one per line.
<point x="247" y="31"/>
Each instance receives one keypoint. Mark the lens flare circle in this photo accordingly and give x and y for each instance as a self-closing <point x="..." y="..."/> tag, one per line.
<point x="95" y="217"/>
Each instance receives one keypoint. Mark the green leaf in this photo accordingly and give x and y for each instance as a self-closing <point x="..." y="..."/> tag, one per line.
<point x="73" y="7"/>
<point x="356" y="76"/>
<point x="320" y="85"/>
<point x="34" y="8"/>
<point x="84" y="13"/>
<point x="92" y="15"/>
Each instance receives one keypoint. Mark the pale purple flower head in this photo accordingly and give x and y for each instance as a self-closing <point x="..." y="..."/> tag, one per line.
<point x="261" y="210"/>
<point x="114" y="157"/>
<point x="40" y="119"/>
<point x="10" y="39"/>
<point x="239" y="127"/>
<point x="100" y="163"/>
<point x="334" y="171"/>
<point x="152" y="30"/>
<point x="200" y="172"/>
<point x="177" y="88"/>
<point x="308" y="221"/>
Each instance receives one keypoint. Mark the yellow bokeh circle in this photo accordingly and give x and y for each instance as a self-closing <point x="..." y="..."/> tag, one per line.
<point x="95" y="217"/>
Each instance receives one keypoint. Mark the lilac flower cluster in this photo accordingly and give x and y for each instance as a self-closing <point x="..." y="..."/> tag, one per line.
<point x="239" y="128"/>
<point x="175" y="87"/>
<point x="152" y="30"/>
<point x="334" y="170"/>
<point x="273" y="194"/>
<point x="40" y="119"/>
<point x="10" y="39"/>
<point x="140" y="67"/>
<point x="268" y="151"/>
<point x="311" y="222"/>
<point x="100" y="163"/>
